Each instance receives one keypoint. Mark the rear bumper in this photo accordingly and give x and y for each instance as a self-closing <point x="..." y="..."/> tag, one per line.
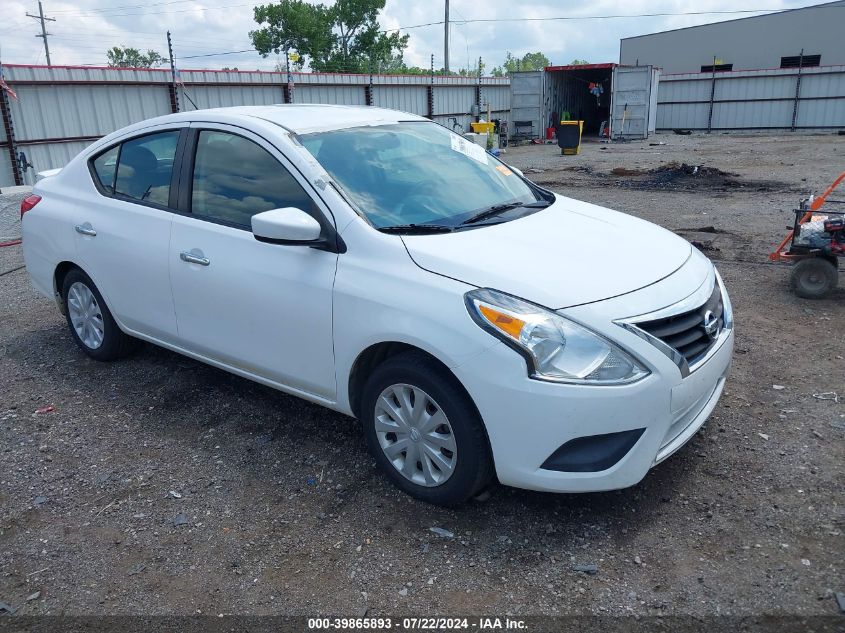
<point x="527" y="420"/>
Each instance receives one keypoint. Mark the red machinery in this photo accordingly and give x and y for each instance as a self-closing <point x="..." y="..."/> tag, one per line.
<point x="813" y="246"/>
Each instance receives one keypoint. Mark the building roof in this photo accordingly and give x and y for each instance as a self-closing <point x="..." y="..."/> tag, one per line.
<point x="825" y="5"/>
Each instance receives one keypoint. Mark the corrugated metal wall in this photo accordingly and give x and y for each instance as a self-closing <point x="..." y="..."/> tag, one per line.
<point x="60" y="110"/>
<point x="755" y="99"/>
<point x="72" y="111"/>
<point x="405" y="98"/>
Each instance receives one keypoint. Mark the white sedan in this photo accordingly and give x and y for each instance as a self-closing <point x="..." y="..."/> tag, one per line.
<point x="381" y="265"/>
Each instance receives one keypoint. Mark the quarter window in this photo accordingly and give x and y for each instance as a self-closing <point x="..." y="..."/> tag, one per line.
<point x="235" y="178"/>
<point x="145" y="167"/>
<point x="105" y="166"/>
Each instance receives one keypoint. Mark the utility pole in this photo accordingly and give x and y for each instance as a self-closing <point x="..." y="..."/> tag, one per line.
<point x="446" y="40"/>
<point x="44" y="32"/>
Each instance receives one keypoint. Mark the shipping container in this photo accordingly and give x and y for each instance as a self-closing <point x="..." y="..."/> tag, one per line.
<point x="623" y="98"/>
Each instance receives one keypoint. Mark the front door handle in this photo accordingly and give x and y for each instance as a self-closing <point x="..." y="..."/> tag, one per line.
<point x="85" y="229"/>
<point x="193" y="258"/>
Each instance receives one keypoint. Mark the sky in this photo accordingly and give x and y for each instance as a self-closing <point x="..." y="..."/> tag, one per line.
<point x="84" y="29"/>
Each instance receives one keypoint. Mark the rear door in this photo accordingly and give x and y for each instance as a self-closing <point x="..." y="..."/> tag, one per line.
<point x="123" y="231"/>
<point x="262" y="308"/>
<point x="631" y="101"/>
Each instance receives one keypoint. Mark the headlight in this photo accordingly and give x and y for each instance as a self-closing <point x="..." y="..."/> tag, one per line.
<point x="556" y="348"/>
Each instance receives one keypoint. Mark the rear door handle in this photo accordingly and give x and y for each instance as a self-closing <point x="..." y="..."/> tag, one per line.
<point x="193" y="258"/>
<point x="85" y="229"/>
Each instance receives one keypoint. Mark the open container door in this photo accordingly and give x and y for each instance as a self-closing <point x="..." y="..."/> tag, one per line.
<point x="631" y="98"/>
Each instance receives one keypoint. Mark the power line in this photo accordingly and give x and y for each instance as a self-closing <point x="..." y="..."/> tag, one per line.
<point x="246" y="50"/>
<point x="593" y="17"/>
<point x="123" y="7"/>
<point x="147" y="13"/>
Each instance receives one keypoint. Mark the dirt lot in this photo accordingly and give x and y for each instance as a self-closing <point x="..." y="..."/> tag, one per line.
<point x="157" y="485"/>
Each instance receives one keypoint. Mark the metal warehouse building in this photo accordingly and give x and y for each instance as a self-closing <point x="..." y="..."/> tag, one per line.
<point x="767" y="41"/>
<point x="782" y="71"/>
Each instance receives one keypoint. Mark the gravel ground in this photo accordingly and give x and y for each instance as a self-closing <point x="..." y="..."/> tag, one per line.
<point x="158" y="485"/>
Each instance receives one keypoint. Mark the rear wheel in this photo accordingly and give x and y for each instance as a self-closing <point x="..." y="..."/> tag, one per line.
<point x="814" y="278"/>
<point x="424" y="431"/>
<point x="91" y="323"/>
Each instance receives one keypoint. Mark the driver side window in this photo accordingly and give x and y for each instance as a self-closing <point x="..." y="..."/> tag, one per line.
<point x="235" y="178"/>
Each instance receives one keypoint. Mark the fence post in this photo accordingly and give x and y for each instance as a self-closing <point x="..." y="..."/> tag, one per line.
<point x="174" y="99"/>
<point x="478" y="91"/>
<point x="368" y="89"/>
<point x="712" y="96"/>
<point x="430" y="91"/>
<point x="797" y="90"/>
<point x="9" y="128"/>
<point x="174" y="93"/>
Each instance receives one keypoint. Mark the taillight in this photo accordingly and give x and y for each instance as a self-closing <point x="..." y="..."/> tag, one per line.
<point x="29" y="202"/>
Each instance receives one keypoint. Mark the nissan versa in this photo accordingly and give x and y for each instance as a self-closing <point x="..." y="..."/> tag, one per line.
<point x="381" y="265"/>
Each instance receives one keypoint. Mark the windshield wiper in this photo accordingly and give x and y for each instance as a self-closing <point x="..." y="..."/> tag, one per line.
<point x="501" y="208"/>
<point x="417" y="228"/>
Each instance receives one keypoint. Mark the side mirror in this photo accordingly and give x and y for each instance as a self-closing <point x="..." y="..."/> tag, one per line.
<point x="286" y="226"/>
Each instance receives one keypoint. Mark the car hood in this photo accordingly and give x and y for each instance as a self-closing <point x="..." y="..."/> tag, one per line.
<point x="568" y="254"/>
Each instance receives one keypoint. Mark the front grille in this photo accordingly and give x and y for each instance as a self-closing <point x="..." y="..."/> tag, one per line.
<point x="685" y="331"/>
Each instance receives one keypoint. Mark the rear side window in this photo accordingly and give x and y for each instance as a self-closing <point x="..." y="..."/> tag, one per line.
<point x="105" y="167"/>
<point x="235" y="178"/>
<point x="145" y="166"/>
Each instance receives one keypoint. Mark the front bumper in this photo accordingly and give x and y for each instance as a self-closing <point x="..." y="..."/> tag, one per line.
<point x="527" y="420"/>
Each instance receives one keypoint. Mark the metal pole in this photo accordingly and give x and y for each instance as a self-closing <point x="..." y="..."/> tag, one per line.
<point x="712" y="95"/>
<point x="430" y="91"/>
<point x="368" y="90"/>
<point x="797" y="89"/>
<point x="175" y="93"/>
<point x="446" y="40"/>
<point x="44" y="32"/>
<point x="478" y="92"/>
<point x="9" y="128"/>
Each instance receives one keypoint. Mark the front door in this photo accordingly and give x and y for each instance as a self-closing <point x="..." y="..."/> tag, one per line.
<point x="262" y="308"/>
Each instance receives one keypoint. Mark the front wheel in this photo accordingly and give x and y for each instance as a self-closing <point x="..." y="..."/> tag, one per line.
<point x="424" y="431"/>
<point x="814" y="278"/>
<point x="91" y="323"/>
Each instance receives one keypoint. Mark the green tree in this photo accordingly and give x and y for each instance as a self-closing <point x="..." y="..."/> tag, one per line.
<point x="529" y="61"/>
<point x="343" y="37"/>
<point x="535" y="61"/>
<point x="126" y="57"/>
<point x="578" y="62"/>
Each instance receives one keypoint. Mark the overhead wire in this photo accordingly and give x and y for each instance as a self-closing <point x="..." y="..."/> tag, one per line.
<point x="595" y="17"/>
<point x="185" y="44"/>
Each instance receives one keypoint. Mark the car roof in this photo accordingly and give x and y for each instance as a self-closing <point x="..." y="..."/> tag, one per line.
<point x="300" y="118"/>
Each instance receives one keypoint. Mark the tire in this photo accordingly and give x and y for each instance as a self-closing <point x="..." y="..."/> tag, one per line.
<point x="472" y="466"/>
<point x="813" y="278"/>
<point x="101" y="338"/>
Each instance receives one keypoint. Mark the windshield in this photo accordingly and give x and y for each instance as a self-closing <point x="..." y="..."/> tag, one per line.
<point x="415" y="173"/>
